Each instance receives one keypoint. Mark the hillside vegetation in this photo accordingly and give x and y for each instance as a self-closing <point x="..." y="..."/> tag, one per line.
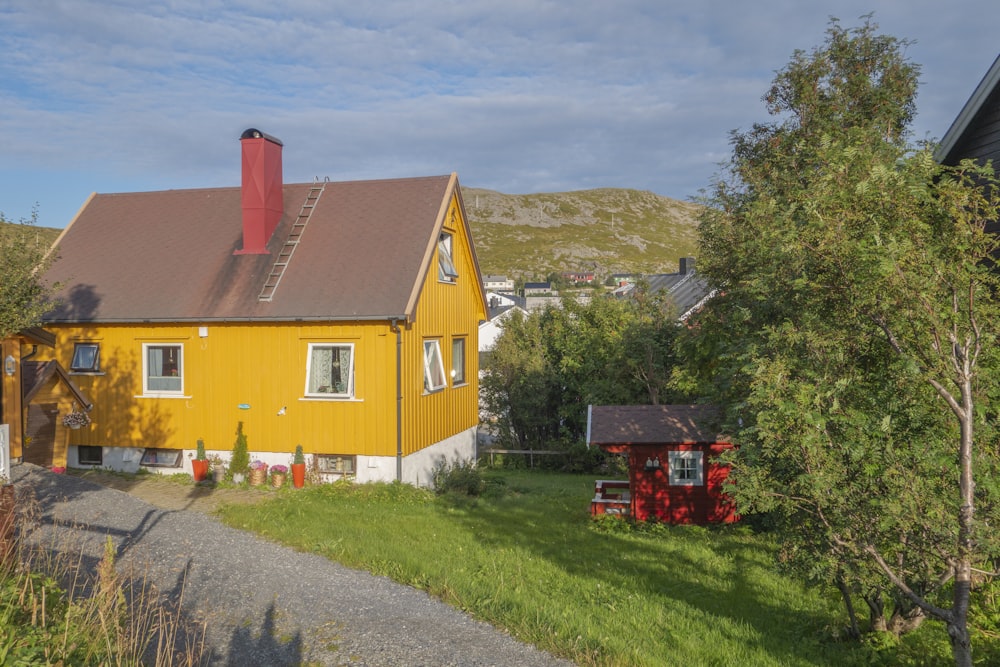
<point x="607" y="230"/>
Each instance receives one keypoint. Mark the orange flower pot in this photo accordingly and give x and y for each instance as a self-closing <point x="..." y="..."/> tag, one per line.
<point x="299" y="475"/>
<point x="199" y="468"/>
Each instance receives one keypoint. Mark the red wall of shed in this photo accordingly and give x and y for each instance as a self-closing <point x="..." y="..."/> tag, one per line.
<point x="654" y="498"/>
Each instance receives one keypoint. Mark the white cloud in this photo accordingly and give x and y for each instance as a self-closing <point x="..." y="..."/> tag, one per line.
<point x="520" y="96"/>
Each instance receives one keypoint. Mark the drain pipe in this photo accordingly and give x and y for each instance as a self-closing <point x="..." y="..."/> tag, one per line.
<point x="394" y="326"/>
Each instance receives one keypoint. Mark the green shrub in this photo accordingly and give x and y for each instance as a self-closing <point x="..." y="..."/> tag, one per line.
<point x="460" y="478"/>
<point x="200" y="455"/>
<point x="299" y="456"/>
<point x="240" y="460"/>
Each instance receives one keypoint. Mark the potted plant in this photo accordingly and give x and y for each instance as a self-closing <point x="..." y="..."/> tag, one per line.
<point x="76" y="419"/>
<point x="218" y="467"/>
<point x="279" y="474"/>
<point x="258" y="472"/>
<point x="240" y="460"/>
<point x="199" y="466"/>
<point x="299" y="468"/>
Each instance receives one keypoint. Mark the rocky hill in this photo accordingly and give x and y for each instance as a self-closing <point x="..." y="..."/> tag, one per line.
<point x="607" y="230"/>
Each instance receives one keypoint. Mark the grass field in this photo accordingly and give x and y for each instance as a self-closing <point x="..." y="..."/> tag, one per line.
<point x="526" y="557"/>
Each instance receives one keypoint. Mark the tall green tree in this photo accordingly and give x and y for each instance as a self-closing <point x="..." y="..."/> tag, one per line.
<point x="546" y="368"/>
<point x="854" y="338"/>
<point x="24" y="256"/>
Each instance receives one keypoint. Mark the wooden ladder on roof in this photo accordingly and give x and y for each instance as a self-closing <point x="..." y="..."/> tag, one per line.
<point x="294" y="236"/>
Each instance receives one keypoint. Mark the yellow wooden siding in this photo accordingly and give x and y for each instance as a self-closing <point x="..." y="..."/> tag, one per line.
<point x="445" y="311"/>
<point x="260" y="365"/>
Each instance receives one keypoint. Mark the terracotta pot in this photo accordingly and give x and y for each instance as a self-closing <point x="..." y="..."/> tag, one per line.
<point x="299" y="475"/>
<point x="199" y="468"/>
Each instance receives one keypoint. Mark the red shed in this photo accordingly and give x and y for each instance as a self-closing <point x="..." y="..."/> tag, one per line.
<point x="674" y="474"/>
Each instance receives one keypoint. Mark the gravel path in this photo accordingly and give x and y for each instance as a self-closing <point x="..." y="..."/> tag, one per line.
<point x="266" y="604"/>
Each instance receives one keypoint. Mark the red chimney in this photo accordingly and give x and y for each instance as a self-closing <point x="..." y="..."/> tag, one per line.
<point x="262" y="198"/>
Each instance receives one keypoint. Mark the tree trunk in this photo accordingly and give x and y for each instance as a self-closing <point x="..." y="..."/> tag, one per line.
<point x="876" y="611"/>
<point x="903" y="621"/>
<point x="854" y="630"/>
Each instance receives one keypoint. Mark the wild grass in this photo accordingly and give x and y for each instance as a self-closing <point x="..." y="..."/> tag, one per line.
<point x="57" y="610"/>
<point x="526" y="556"/>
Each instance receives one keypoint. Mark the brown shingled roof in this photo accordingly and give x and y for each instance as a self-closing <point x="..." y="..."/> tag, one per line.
<point x="653" y="424"/>
<point x="168" y="256"/>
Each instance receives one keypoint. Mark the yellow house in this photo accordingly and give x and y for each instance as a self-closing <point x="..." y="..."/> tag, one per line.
<point x="340" y="316"/>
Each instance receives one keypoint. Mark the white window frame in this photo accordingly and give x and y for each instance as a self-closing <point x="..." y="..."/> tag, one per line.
<point x="433" y="366"/>
<point x="94" y="366"/>
<point x="146" y="390"/>
<point x="349" y="385"/>
<point x="682" y="472"/>
<point x="459" y="373"/>
<point x="447" y="273"/>
<point x="340" y="465"/>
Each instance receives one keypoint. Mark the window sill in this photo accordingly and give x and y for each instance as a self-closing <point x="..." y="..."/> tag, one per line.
<point x="459" y="385"/>
<point x="428" y="392"/>
<point x="154" y="395"/>
<point x="332" y="399"/>
<point x="87" y="373"/>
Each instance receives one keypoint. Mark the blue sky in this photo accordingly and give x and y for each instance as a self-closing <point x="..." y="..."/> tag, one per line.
<point x="518" y="96"/>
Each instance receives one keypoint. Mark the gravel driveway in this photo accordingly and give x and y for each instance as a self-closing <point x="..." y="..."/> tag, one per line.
<point x="266" y="604"/>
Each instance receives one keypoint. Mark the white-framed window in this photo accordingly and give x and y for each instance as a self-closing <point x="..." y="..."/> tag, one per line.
<point x="86" y="358"/>
<point x="687" y="468"/>
<point x="330" y="370"/>
<point x="336" y="464"/>
<point x="434" y="378"/>
<point x="162" y="368"/>
<point x="161" y="458"/>
<point x="457" y="361"/>
<point x="446" y="263"/>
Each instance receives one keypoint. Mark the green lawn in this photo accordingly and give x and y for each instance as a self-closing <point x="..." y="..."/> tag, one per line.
<point x="527" y="557"/>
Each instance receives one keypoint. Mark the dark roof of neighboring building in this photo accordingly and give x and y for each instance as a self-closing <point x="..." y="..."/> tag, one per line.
<point x="652" y="424"/>
<point x="34" y="375"/>
<point x="983" y="99"/>
<point x="168" y="256"/>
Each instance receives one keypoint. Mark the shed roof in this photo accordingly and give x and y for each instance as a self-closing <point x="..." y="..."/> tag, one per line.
<point x="972" y="108"/>
<point x="652" y="424"/>
<point x="168" y="256"/>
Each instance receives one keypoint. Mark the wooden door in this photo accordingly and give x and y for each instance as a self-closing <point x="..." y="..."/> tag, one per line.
<point x="42" y="431"/>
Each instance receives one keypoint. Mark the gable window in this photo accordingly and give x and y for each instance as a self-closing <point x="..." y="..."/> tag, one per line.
<point x="457" y="361"/>
<point x="330" y="370"/>
<point x="687" y="468"/>
<point x="162" y="369"/>
<point x="86" y="358"/>
<point x="433" y="366"/>
<point x="446" y="262"/>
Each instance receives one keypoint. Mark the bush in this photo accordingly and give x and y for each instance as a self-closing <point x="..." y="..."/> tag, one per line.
<point x="460" y="478"/>
<point x="240" y="460"/>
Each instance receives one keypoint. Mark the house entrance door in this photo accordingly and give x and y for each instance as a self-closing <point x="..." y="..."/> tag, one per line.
<point x="42" y="432"/>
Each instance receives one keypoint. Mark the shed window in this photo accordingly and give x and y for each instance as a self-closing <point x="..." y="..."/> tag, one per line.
<point x="162" y="369"/>
<point x="433" y="366"/>
<point x="330" y="370"/>
<point x="86" y="358"/>
<point x="446" y="262"/>
<point x="687" y="468"/>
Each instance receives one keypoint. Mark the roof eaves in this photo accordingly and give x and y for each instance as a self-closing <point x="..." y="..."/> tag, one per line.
<point x="968" y="113"/>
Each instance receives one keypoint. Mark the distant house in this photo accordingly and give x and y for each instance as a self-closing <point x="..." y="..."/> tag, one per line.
<point x="686" y="290"/>
<point x="579" y="277"/>
<point x="498" y="284"/>
<point x="536" y="289"/>
<point x="340" y="316"/>
<point x="674" y="474"/>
